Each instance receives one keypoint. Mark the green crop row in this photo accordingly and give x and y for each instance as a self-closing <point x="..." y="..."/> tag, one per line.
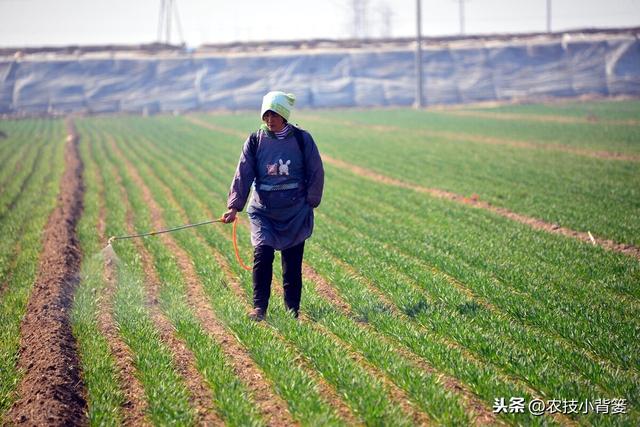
<point x="591" y="136"/>
<point x="415" y="277"/>
<point x="230" y="395"/>
<point x="20" y="249"/>
<point x="563" y="188"/>
<point x="333" y="362"/>
<point x="165" y="391"/>
<point x="22" y="136"/>
<point x="190" y="153"/>
<point x="295" y="386"/>
<point x="105" y="398"/>
<point x="561" y="241"/>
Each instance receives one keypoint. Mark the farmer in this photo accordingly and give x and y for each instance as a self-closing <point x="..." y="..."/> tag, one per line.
<point x="282" y="165"/>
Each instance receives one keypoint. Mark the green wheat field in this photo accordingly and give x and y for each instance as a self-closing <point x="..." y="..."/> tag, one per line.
<point x="423" y="301"/>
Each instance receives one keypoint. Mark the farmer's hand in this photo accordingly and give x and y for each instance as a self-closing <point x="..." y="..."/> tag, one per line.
<point x="229" y="216"/>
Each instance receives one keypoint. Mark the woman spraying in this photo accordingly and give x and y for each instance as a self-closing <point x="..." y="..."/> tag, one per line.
<point x="282" y="164"/>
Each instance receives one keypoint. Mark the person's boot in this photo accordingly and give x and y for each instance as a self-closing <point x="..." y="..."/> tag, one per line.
<point x="257" y="314"/>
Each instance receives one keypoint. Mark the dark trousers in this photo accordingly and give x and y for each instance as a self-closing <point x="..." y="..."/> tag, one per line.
<point x="291" y="276"/>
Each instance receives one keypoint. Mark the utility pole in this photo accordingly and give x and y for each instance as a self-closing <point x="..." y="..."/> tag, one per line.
<point x="548" y="16"/>
<point x="419" y="102"/>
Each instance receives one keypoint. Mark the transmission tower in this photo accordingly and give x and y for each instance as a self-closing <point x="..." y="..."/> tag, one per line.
<point x="461" y="15"/>
<point x="360" y="27"/>
<point x="168" y="12"/>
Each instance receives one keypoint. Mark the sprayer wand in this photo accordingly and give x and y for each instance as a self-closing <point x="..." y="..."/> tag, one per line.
<point x="168" y="230"/>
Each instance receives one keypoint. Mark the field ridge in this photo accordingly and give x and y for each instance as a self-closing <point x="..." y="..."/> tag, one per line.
<point x="48" y="353"/>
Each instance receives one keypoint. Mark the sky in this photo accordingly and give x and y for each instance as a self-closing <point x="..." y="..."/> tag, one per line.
<point x="87" y="22"/>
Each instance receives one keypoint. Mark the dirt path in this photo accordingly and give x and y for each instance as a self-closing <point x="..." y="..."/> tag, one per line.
<point x="52" y="392"/>
<point x="135" y="406"/>
<point x="274" y="409"/>
<point x="483" y="139"/>
<point x="201" y="398"/>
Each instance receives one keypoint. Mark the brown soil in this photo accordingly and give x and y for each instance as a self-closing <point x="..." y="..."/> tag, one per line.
<point x="475" y="201"/>
<point x="201" y="397"/>
<point x="273" y="408"/>
<point x="135" y="405"/>
<point x="51" y="391"/>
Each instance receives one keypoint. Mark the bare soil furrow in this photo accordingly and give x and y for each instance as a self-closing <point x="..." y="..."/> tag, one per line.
<point x="135" y="406"/>
<point x="480" y="413"/>
<point x="201" y="396"/>
<point x="48" y="353"/>
<point x="271" y="405"/>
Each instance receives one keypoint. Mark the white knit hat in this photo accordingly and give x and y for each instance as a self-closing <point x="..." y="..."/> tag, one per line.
<point x="278" y="102"/>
